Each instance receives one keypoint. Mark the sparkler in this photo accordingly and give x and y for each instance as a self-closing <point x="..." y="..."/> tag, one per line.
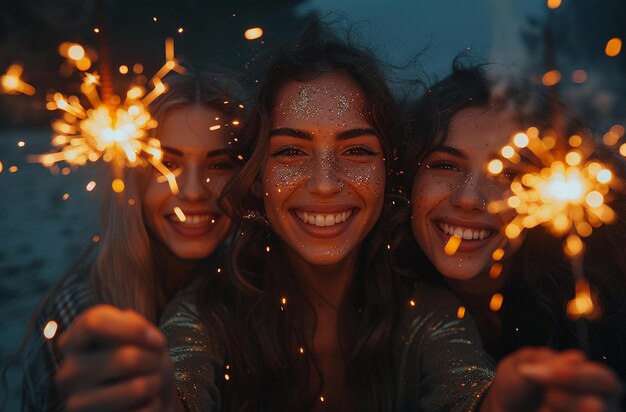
<point x="565" y="193"/>
<point x="110" y="129"/>
<point x="12" y="83"/>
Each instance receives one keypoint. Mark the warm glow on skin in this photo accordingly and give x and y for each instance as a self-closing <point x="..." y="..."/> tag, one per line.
<point x="323" y="158"/>
<point x="453" y="186"/>
<point x="196" y="154"/>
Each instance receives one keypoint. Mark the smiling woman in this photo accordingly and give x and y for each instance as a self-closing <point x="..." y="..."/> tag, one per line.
<point x="311" y="315"/>
<point x="517" y="290"/>
<point x="153" y="245"/>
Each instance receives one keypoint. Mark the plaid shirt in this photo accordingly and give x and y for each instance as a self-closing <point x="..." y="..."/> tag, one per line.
<point x="43" y="357"/>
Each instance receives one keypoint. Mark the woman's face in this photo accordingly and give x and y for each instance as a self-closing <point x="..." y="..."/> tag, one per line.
<point x="452" y="189"/>
<point x="324" y="172"/>
<point x="201" y="160"/>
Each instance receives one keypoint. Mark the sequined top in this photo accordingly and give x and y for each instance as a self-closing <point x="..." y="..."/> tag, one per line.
<point x="440" y="362"/>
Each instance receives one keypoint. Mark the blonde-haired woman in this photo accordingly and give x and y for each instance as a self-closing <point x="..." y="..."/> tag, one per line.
<point x="146" y="253"/>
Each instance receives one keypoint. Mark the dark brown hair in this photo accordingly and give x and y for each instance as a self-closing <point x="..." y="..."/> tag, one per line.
<point x="261" y="341"/>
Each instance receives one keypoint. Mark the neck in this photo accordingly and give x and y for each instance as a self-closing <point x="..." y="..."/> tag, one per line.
<point x="325" y="285"/>
<point x="176" y="273"/>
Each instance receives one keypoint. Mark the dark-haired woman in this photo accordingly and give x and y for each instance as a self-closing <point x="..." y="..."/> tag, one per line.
<point x="457" y="127"/>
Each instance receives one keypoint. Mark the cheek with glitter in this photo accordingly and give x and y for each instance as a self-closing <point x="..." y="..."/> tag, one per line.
<point x="285" y="177"/>
<point x="364" y="177"/>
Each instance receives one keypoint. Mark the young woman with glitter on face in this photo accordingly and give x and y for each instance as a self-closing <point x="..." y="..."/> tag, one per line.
<point x="309" y="314"/>
<point x="455" y="129"/>
<point x="146" y="254"/>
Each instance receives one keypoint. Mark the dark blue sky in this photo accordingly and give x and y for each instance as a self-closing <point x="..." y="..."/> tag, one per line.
<point x="401" y="28"/>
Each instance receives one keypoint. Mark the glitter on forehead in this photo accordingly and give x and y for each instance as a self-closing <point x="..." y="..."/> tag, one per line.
<point x="309" y="102"/>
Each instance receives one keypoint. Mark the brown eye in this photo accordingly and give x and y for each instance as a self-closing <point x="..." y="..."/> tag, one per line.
<point x="444" y="166"/>
<point x="288" y="151"/>
<point x="361" y="151"/>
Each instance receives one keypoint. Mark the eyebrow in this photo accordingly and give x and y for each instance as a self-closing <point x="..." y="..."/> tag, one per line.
<point x="348" y="134"/>
<point x="212" y="153"/>
<point x="451" y="151"/>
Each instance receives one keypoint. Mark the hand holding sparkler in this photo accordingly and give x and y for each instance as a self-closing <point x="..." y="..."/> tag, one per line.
<point x="115" y="360"/>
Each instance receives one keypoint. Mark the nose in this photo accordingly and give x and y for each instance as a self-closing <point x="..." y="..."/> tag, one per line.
<point x="192" y="184"/>
<point x="469" y="194"/>
<point x="325" y="178"/>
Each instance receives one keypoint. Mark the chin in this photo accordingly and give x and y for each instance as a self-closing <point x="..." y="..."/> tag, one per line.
<point x="451" y="270"/>
<point x="193" y="252"/>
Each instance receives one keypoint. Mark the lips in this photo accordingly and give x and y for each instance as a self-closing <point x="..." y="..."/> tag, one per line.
<point x="195" y="224"/>
<point x="475" y="236"/>
<point x="324" y="224"/>
<point x="464" y="232"/>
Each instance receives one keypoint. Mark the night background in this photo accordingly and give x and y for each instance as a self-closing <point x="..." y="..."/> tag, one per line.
<point x="41" y="233"/>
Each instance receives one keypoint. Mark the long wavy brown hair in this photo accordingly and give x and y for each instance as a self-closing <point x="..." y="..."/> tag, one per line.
<point x="261" y="340"/>
<point x="540" y="282"/>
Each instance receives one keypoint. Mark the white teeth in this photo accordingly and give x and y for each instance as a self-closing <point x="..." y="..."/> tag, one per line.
<point x="463" y="232"/>
<point x="323" y="219"/>
<point x="193" y="219"/>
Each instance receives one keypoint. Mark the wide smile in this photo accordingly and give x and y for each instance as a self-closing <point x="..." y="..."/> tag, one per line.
<point x="194" y="224"/>
<point x="324" y="224"/>
<point x="473" y="237"/>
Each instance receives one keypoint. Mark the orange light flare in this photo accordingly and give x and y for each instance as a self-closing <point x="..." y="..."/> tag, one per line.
<point x="613" y="47"/>
<point x="11" y="82"/>
<point x="583" y="305"/>
<point x="452" y="245"/>
<point x="567" y="193"/>
<point x="77" y="56"/>
<point x="116" y="132"/>
<point x="563" y="189"/>
<point x="253" y="33"/>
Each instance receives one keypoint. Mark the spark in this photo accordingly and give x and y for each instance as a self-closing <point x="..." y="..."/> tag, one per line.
<point x="179" y="213"/>
<point x="452" y="245"/>
<point x="613" y="47"/>
<point x="21" y="143"/>
<point x="12" y="83"/>
<point x="460" y="313"/>
<point x="50" y="329"/>
<point x="13" y="169"/>
<point x="90" y="186"/>
<point x="253" y="33"/>
<point x="496" y="302"/>
<point x="115" y="130"/>
<point x="117" y="185"/>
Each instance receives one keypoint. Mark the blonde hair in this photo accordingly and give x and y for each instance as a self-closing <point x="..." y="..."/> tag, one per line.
<point x="125" y="271"/>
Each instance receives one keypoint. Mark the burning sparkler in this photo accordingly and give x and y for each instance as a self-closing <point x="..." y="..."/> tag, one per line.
<point x="109" y="128"/>
<point x="565" y="193"/>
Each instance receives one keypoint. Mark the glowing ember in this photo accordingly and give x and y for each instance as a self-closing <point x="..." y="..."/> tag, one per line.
<point x="613" y="47"/>
<point x="253" y="33"/>
<point x="179" y="213"/>
<point x="50" y="329"/>
<point x="554" y="4"/>
<point x="496" y="302"/>
<point x="452" y="245"/>
<point x="117" y="185"/>
<point x="460" y="313"/>
<point x="12" y="83"/>
<point x="582" y="304"/>
<point x="90" y="186"/>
